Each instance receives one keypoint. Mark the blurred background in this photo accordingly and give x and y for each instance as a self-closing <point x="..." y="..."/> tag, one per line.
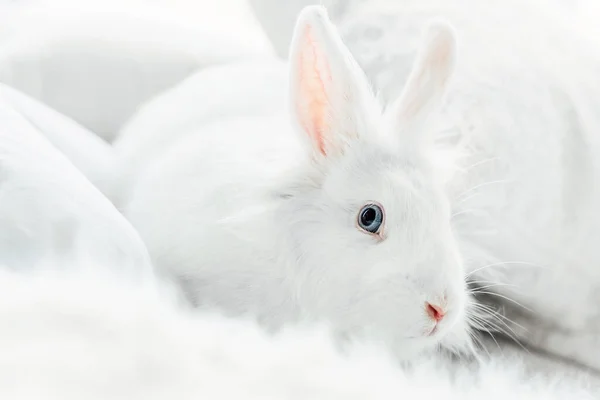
<point x="81" y="76"/>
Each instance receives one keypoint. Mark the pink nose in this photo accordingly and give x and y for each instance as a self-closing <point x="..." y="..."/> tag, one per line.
<point x="435" y="312"/>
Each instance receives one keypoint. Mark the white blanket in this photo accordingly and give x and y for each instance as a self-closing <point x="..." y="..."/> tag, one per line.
<point x="123" y="53"/>
<point x="82" y="337"/>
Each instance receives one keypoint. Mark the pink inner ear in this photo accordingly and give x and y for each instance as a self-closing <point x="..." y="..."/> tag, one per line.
<point x="439" y="59"/>
<point x="312" y="101"/>
<point x="430" y="80"/>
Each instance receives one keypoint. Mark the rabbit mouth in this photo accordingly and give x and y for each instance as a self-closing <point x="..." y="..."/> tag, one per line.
<point x="441" y="328"/>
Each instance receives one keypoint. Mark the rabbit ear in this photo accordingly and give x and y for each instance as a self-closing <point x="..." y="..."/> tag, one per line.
<point x="326" y="84"/>
<point x="429" y="79"/>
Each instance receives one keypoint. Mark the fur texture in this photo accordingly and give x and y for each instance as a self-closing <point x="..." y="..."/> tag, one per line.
<point x="256" y="216"/>
<point x="521" y="113"/>
<point x="80" y="336"/>
<point x="520" y="170"/>
<point x="492" y="113"/>
<point x="75" y="328"/>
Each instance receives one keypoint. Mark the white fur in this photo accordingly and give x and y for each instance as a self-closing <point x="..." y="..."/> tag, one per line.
<point x="50" y="317"/>
<point x="78" y="327"/>
<point x="522" y="112"/>
<point x="254" y="216"/>
<point x="245" y="88"/>
<point x="75" y="336"/>
<point x="523" y="180"/>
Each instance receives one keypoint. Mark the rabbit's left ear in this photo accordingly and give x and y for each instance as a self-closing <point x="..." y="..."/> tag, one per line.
<point x="429" y="79"/>
<point x="327" y="87"/>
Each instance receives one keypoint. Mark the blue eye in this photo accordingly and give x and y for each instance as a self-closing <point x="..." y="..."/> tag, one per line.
<point x="370" y="218"/>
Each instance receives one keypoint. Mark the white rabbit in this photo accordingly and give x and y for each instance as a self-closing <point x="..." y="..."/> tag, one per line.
<point x="244" y="88"/>
<point x="339" y="216"/>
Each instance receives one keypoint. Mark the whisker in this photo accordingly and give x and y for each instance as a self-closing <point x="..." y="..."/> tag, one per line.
<point x="500" y="316"/>
<point x="464" y="200"/>
<point x="483" y="324"/>
<point x="479" y="288"/>
<point x="491" y="282"/>
<point x="477" y="318"/>
<point x="489" y="331"/>
<point x="477" y="340"/>
<point x="513" y="336"/>
<point x="480" y="186"/>
<point x="475" y="292"/>
<point x="476" y="324"/>
<point x="484" y="313"/>
<point x="507" y="299"/>
<point x="467" y="211"/>
<point x="478" y="163"/>
<point x="491" y="323"/>
<point x="503" y="264"/>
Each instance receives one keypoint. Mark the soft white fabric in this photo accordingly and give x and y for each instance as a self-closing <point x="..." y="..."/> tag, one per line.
<point x="86" y="151"/>
<point x="82" y="337"/>
<point x="95" y="61"/>
<point x="48" y="209"/>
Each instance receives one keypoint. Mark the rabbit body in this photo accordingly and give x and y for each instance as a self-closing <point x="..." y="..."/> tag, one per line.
<point x="515" y="161"/>
<point x="235" y="90"/>
<point x="262" y="214"/>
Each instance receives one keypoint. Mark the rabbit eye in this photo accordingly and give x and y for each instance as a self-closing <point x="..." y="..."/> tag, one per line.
<point x="370" y="218"/>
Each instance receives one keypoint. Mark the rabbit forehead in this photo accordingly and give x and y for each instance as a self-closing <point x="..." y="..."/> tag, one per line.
<point x="374" y="172"/>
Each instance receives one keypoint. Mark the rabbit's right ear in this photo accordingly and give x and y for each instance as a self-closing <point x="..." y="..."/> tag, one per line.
<point x="428" y="81"/>
<point x="328" y="89"/>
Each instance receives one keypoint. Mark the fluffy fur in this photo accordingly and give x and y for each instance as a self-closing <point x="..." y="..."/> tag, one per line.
<point x="252" y="215"/>
<point x="521" y="112"/>
<point x="83" y="336"/>
<point x="526" y="70"/>
<point x="522" y="176"/>
<point x="245" y="88"/>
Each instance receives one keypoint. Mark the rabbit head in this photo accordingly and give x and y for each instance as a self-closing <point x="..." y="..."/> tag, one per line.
<point x="369" y="219"/>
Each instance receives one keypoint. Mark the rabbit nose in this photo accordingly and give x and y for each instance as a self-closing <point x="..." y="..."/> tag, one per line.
<point x="435" y="312"/>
